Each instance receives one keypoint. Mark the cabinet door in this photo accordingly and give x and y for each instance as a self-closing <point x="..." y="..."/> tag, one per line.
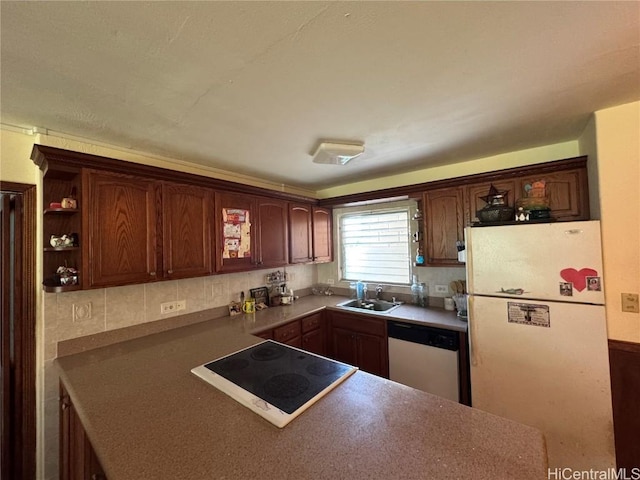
<point x="314" y="342"/>
<point x="322" y="235"/>
<point x="272" y="233"/>
<point x="300" y="234"/>
<point x="314" y="333"/>
<point x="343" y="346"/>
<point x="235" y="239"/>
<point x="121" y="216"/>
<point x="372" y="354"/>
<point x="444" y="225"/>
<point x="287" y="332"/>
<point x="186" y="223"/>
<point x="78" y="460"/>
<point x="567" y="191"/>
<point x="474" y="192"/>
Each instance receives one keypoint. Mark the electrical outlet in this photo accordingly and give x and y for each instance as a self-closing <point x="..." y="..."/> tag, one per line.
<point x="167" y="307"/>
<point x="181" y="305"/>
<point x="330" y="281"/>
<point x="81" y="311"/>
<point x="442" y="289"/>
<point x="630" y="303"/>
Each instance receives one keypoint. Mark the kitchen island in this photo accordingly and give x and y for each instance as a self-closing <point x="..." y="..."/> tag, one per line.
<point x="148" y="417"/>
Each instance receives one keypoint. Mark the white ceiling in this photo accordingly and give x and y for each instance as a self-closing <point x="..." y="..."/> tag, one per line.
<point x="252" y="87"/>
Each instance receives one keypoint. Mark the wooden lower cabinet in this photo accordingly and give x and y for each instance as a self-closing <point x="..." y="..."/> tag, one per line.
<point x="314" y="333"/>
<point x="308" y="333"/>
<point x="78" y="460"/>
<point x="289" y="333"/>
<point x="360" y="341"/>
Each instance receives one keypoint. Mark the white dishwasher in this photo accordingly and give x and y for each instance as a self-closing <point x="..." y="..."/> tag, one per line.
<point x="425" y="358"/>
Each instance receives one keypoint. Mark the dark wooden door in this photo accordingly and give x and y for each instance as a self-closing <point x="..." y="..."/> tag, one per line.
<point x="234" y="232"/>
<point x="122" y="224"/>
<point x="322" y="235"/>
<point x="444" y="225"/>
<point x="187" y="222"/>
<point x="300" y="234"/>
<point x="272" y="233"/>
<point x="17" y="330"/>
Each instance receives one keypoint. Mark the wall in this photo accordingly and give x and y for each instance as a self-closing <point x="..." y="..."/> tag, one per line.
<point x="15" y="166"/>
<point x="588" y="146"/>
<point x="618" y="154"/>
<point x="487" y="164"/>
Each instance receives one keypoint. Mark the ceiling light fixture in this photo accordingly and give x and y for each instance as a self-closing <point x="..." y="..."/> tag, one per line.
<point x="336" y="153"/>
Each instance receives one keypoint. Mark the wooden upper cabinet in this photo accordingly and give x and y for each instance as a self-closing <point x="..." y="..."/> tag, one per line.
<point x="300" y="233"/>
<point x="235" y="222"/>
<point x="322" y="235"/>
<point x="444" y="225"/>
<point x="310" y="234"/>
<point x="187" y="223"/>
<point x="120" y="241"/>
<point x="272" y="240"/>
<point x="475" y="191"/>
<point x="567" y="191"/>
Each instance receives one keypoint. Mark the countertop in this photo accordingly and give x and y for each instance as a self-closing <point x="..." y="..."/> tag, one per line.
<point x="148" y="417"/>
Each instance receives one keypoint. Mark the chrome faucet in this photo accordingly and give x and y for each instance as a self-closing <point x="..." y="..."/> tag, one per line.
<point x="378" y="292"/>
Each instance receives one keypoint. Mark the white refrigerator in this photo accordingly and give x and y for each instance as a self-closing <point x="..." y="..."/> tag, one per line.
<point x="538" y="335"/>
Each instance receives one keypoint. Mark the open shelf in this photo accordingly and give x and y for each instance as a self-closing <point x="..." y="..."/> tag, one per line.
<point x="61" y="288"/>
<point x="63" y="211"/>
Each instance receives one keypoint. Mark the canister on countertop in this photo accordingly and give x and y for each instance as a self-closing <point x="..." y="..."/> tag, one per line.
<point x="449" y="304"/>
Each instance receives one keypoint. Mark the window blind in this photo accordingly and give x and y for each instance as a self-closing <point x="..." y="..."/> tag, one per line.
<point x="375" y="246"/>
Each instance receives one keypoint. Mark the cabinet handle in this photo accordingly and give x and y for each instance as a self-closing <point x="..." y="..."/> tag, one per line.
<point x="153" y="274"/>
<point x="170" y="272"/>
<point x="98" y="476"/>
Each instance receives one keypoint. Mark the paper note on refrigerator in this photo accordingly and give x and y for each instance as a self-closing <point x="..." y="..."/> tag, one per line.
<point x="528" y="314"/>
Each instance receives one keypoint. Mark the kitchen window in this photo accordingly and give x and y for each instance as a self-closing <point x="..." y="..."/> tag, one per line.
<point x="375" y="246"/>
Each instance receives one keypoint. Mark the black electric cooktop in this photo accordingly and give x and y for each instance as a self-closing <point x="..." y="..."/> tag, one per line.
<point x="274" y="380"/>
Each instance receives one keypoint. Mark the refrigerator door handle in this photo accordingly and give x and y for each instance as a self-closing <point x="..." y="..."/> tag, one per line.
<point x="472" y="332"/>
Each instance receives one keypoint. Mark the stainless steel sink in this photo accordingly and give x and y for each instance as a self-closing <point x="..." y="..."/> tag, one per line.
<point x="380" y="306"/>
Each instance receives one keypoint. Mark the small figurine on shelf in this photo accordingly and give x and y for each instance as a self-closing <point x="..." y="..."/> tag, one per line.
<point x="419" y="256"/>
<point x="66" y="240"/>
<point x="67" y="275"/>
<point x="70" y="201"/>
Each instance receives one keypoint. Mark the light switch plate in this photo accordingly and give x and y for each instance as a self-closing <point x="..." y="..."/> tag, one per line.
<point x="630" y="303"/>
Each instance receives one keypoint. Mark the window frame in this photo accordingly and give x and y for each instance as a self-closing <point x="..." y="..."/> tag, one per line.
<point x="405" y="206"/>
